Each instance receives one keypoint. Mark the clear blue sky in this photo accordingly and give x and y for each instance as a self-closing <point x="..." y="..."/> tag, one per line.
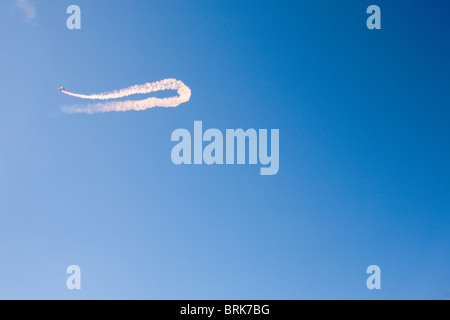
<point x="364" y="151"/>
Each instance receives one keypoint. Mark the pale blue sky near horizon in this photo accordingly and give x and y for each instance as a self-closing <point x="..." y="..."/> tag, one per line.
<point x="364" y="151"/>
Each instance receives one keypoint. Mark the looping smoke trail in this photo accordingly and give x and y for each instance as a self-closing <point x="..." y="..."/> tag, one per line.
<point x="184" y="94"/>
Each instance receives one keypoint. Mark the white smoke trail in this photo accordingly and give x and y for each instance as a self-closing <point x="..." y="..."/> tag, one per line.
<point x="184" y="94"/>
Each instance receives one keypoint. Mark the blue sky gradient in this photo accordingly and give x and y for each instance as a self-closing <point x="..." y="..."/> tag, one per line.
<point x="364" y="151"/>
